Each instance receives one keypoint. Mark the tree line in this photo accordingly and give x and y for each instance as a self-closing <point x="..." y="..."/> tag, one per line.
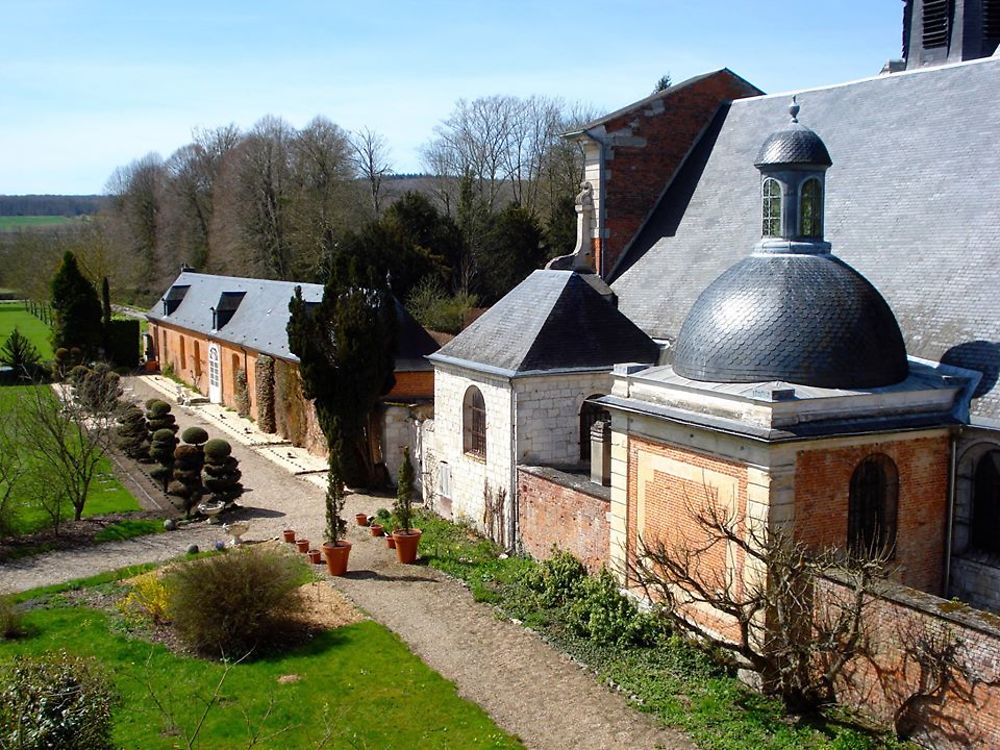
<point x="278" y="202"/>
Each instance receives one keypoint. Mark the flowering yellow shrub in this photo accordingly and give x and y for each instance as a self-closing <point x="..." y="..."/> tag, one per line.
<point x="147" y="601"/>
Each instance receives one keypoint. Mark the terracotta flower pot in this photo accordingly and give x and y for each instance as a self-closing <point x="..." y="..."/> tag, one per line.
<point x="406" y="544"/>
<point x="390" y="542"/>
<point x="336" y="557"/>
<point x="376" y="529"/>
<point x="302" y="545"/>
<point x="289" y="535"/>
<point x="314" y="556"/>
<point x="362" y="519"/>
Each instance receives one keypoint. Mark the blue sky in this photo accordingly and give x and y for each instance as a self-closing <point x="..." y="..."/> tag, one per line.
<point x="87" y="85"/>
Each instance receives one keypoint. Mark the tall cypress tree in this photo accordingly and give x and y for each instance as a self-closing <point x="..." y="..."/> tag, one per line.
<point x="77" y="320"/>
<point x="346" y="345"/>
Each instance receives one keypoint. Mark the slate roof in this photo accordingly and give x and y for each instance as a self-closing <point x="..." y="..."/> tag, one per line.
<point x="794" y="144"/>
<point x="795" y="317"/>
<point x="551" y="321"/>
<point x="913" y="203"/>
<point x="261" y="316"/>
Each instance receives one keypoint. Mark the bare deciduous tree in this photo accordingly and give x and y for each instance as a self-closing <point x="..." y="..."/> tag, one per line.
<point x="371" y="162"/>
<point x="797" y="614"/>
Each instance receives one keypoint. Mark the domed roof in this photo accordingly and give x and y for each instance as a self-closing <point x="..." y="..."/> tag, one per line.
<point x="793" y="144"/>
<point x="805" y="318"/>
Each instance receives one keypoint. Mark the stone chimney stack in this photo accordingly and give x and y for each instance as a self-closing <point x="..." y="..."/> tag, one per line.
<point x="936" y="32"/>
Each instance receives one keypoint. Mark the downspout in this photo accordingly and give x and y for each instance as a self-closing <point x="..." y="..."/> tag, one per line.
<point x="952" y="482"/>
<point x="514" y="542"/>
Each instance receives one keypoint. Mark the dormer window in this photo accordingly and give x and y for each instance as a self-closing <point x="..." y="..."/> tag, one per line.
<point x="771" y="208"/>
<point x="811" y="209"/>
<point x="173" y="298"/>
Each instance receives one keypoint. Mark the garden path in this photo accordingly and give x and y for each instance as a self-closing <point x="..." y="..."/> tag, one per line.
<point x="526" y="686"/>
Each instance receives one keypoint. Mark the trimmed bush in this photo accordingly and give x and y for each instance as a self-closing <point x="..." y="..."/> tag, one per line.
<point x="188" y="462"/>
<point x="222" y="472"/>
<point x="55" y="701"/>
<point x="264" y="380"/>
<point x="161" y="450"/>
<point x="158" y="417"/>
<point x="132" y="437"/>
<point x="242" y="393"/>
<point x="194" y="436"/>
<point x="237" y="603"/>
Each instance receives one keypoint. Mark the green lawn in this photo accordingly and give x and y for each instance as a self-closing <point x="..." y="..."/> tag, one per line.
<point x="15" y="315"/>
<point x="373" y="686"/>
<point x="11" y="223"/>
<point x="107" y="494"/>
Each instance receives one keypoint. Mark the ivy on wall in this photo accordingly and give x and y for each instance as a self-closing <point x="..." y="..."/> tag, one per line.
<point x="264" y="372"/>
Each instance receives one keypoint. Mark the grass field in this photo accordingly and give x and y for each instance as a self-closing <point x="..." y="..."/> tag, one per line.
<point x="107" y="494"/>
<point x="362" y="676"/>
<point x="11" y="223"/>
<point x="14" y="314"/>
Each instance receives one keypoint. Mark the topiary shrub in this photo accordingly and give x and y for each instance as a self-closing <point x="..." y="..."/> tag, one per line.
<point x="403" y="507"/>
<point x="194" y="436"/>
<point x="55" y="701"/>
<point x="132" y="436"/>
<point x="158" y="417"/>
<point x="186" y="484"/>
<point x="264" y="378"/>
<point x="222" y="472"/>
<point x="237" y="603"/>
<point x="97" y="388"/>
<point x="161" y="450"/>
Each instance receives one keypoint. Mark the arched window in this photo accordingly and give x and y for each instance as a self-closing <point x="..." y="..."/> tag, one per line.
<point x="984" y="533"/>
<point x="590" y="414"/>
<point x="183" y="354"/>
<point x="811" y="209"/>
<point x="474" y="423"/>
<point x="197" y="358"/>
<point x="771" y="208"/>
<point x="871" y="514"/>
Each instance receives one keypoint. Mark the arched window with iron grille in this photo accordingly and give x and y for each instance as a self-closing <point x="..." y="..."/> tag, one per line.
<point x="474" y="423"/>
<point x="874" y="499"/>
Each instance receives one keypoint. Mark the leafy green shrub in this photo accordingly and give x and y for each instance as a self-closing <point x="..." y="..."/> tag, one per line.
<point x="606" y="616"/>
<point x="123" y="342"/>
<point x="222" y="472"/>
<point x="10" y="620"/>
<point x="55" y="701"/>
<point x="237" y="603"/>
<point x="161" y="449"/>
<point x="403" y="508"/>
<point x="436" y="310"/>
<point x="557" y="579"/>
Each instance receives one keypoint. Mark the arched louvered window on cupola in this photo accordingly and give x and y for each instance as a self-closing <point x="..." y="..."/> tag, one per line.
<point x="872" y="507"/>
<point x="811" y="209"/>
<point x="771" y="208"/>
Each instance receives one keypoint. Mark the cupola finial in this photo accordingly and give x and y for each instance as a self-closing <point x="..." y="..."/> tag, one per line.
<point x="793" y="109"/>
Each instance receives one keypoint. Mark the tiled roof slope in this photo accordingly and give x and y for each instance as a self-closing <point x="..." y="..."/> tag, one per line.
<point x="913" y="203"/>
<point x="261" y="320"/>
<point x="553" y="320"/>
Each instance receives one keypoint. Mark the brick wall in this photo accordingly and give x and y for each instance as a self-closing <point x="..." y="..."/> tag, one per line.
<point x="559" y="509"/>
<point x="822" y="484"/>
<point x="644" y="146"/>
<point x="899" y="687"/>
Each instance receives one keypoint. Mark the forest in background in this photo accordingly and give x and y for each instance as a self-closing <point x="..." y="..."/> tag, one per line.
<point x="284" y="203"/>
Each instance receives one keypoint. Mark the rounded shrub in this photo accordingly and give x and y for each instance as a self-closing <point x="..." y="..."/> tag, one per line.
<point x="55" y="701"/>
<point x="256" y="589"/>
<point x="163" y="436"/>
<point x="187" y="454"/>
<point x="194" y="436"/>
<point x="217" y="449"/>
<point x="157" y="408"/>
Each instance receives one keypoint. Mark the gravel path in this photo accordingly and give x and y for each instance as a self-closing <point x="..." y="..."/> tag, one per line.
<point x="527" y="687"/>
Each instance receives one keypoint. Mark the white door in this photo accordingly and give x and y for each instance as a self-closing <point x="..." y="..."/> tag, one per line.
<point x="214" y="375"/>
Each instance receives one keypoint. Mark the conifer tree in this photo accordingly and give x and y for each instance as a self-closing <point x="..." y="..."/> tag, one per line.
<point x="77" y="320"/>
<point x="345" y="345"/>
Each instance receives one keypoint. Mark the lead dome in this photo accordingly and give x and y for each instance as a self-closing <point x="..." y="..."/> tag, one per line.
<point x="792" y="311"/>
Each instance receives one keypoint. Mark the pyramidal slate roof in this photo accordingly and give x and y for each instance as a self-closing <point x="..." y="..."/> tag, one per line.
<point x="260" y="319"/>
<point x="913" y="203"/>
<point x="552" y="321"/>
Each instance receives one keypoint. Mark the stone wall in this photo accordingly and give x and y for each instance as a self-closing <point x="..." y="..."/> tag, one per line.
<point x="565" y="511"/>
<point x="548" y="415"/>
<point x="465" y="475"/>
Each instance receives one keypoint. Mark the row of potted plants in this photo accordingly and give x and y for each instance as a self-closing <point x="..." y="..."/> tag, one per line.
<point x="404" y="538"/>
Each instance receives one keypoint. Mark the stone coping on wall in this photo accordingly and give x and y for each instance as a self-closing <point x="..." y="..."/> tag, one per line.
<point x="573" y="478"/>
<point x="952" y="610"/>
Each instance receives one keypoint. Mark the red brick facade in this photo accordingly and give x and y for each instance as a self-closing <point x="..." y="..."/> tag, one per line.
<point x="822" y="485"/>
<point x="656" y="137"/>
<point x="552" y="513"/>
